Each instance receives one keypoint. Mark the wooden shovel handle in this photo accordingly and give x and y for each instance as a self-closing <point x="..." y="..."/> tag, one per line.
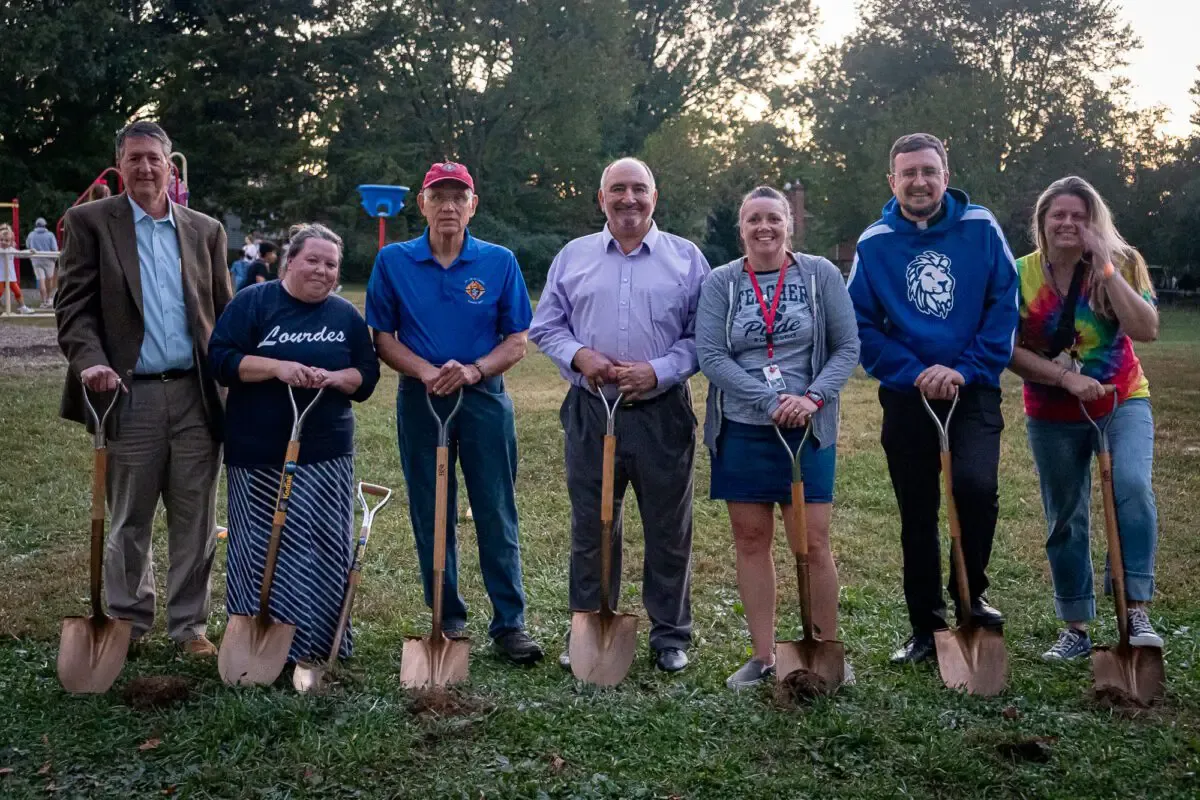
<point x="798" y="538"/>
<point x="957" y="560"/>
<point x="343" y="618"/>
<point x="1113" y="535"/>
<point x="440" y="499"/>
<point x="286" y="478"/>
<point x="99" y="485"/>
<point x="373" y="489"/>
<point x="607" y="478"/>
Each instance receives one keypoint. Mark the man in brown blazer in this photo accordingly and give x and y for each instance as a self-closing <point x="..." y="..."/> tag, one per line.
<point x="142" y="282"/>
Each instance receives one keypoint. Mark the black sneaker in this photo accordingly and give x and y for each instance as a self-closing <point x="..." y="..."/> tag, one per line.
<point x="918" y="648"/>
<point x="517" y="647"/>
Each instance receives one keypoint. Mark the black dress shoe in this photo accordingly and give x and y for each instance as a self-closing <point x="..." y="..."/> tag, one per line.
<point x="517" y="647"/>
<point x="670" y="659"/>
<point x="918" y="648"/>
<point x="983" y="614"/>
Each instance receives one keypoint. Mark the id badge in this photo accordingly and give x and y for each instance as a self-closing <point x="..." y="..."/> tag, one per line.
<point x="774" y="378"/>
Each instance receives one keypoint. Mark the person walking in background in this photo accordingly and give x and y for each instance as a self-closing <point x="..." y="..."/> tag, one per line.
<point x="8" y="268"/>
<point x="42" y="240"/>
<point x="294" y="333"/>
<point x="618" y="316"/>
<point x="1085" y="299"/>
<point x="450" y="313"/>
<point x="934" y="292"/>
<point x="260" y="269"/>
<point x="143" y="281"/>
<point x="776" y="338"/>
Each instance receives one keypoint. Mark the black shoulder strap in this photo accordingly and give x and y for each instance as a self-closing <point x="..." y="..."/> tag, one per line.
<point x="1064" y="334"/>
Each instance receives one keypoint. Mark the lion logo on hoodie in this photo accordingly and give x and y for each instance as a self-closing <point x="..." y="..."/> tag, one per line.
<point x="930" y="284"/>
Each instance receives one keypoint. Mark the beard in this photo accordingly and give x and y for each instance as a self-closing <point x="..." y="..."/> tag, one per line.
<point x="921" y="213"/>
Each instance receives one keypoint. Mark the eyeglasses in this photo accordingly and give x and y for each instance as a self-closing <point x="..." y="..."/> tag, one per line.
<point x="928" y="173"/>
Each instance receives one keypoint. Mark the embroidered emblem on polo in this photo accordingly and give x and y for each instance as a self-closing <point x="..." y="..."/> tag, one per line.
<point x="475" y="290"/>
<point x="930" y="284"/>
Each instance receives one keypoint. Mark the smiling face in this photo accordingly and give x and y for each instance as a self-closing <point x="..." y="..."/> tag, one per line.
<point x="628" y="198"/>
<point x="144" y="167"/>
<point x="313" y="272"/>
<point x="764" y="228"/>
<point x="919" y="180"/>
<point x="1066" y="222"/>
<point x="448" y="207"/>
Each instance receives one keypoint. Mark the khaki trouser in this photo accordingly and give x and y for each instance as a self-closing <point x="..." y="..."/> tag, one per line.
<point x="163" y="448"/>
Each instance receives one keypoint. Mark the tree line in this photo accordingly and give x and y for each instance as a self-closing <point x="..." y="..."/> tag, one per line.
<point x="284" y="106"/>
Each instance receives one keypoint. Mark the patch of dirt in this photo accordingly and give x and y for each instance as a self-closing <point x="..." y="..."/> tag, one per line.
<point x="25" y="348"/>
<point x="800" y="688"/>
<point x="1037" y="749"/>
<point x="1113" y="697"/>
<point x="434" y="703"/>
<point x="149" y="692"/>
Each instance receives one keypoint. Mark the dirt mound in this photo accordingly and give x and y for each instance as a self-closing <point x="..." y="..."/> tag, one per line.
<point x="149" y="692"/>
<point x="800" y="688"/>
<point x="443" y="703"/>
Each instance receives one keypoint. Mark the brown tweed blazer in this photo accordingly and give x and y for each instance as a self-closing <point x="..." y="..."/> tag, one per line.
<point x="99" y="303"/>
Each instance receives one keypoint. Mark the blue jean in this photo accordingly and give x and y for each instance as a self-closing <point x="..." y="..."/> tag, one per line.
<point x="484" y="435"/>
<point x="1063" y="454"/>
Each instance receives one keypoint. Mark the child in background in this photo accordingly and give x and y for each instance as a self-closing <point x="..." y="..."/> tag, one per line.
<point x="8" y="267"/>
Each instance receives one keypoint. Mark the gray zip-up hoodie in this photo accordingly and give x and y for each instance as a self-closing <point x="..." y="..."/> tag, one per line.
<point x="834" y="351"/>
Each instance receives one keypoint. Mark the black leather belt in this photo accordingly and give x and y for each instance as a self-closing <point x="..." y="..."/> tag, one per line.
<point x="169" y="375"/>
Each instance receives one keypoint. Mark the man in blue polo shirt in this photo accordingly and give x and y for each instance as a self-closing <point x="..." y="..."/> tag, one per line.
<point x="451" y="312"/>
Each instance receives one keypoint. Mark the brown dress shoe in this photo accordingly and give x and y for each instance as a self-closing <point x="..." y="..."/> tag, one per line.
<point x="200" y="647"/>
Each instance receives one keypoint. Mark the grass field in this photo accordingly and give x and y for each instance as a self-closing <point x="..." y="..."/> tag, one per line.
<point x="535" y="733"/>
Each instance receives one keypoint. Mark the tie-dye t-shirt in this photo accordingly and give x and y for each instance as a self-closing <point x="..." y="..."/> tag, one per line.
<point x="1103" y="351"/>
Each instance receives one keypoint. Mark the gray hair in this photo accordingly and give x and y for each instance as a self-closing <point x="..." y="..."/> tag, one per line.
<point x="912" y="142"/>
<point x="638" y="161"/>
<point x="143" y="129"/>
<point x="303" y="232"/>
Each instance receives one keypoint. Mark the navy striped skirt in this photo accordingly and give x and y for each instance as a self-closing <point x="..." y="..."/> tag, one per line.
<point x="315" y="551"/>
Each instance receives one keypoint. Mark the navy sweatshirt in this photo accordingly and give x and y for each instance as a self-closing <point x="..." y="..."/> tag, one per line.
<point x="264" y="320"/>
<point x="945" y="294"/>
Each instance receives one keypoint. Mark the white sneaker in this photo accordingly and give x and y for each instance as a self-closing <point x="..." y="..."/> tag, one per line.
<point x="24" y="309"/>
<point x="848" y="678"/>
<point x="1141" y="632"/>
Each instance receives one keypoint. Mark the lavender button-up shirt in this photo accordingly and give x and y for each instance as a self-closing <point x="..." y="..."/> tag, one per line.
<point x="639" y="306"/>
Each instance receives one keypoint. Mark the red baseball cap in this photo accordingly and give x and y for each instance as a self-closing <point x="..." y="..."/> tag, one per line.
<point x="448" y="171"/>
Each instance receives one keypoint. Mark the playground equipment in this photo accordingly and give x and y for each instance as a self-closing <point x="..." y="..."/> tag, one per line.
<point x="382" y="201"/>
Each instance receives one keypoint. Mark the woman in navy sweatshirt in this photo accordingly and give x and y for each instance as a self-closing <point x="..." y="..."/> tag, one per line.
<point x="293" y="332"/>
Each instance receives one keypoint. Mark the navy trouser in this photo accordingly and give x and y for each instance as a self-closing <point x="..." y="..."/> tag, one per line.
<point x="483" y="434"/>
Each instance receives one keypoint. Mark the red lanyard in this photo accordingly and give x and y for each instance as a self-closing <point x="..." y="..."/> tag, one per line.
<point x="768" y="313"/>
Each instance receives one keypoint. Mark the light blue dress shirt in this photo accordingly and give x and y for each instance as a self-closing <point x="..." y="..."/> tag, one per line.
<point x="167" y="343"/>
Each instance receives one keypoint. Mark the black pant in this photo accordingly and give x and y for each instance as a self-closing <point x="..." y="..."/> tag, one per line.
<point x="910" y="441"/>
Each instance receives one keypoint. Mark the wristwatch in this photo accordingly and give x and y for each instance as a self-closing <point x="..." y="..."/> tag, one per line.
<point x="482" y="375"/>
<point x="816" y="398"/>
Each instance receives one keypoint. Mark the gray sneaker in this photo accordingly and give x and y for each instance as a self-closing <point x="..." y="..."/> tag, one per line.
<point x="1141" y="632"/>
<point x="1072" y="643"/>
<point x="749" y="674"/>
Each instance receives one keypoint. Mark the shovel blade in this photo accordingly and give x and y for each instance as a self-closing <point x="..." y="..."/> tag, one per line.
<point x="427" y="662"/>
<point x="253" y="654"/>
<point x="972" y="659"/>
<point x="308" y="678"/>
<point x="91" y="653"/>
<point x="825" y="660"/>
<point x="602" y="646"/>
<point x="1129" y="674"/>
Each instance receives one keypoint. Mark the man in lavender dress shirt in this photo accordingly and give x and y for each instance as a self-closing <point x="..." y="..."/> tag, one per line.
<point x="618" y="316"/>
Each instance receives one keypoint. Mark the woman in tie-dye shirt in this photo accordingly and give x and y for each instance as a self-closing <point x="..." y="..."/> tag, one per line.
<point x="1067" y="365"/>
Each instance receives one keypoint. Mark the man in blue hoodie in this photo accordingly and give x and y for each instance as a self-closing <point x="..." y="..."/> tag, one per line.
<point x="934" y="287"/>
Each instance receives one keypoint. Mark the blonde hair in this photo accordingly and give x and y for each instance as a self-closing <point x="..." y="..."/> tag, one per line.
<point x="1124" y="256"/>
<point x="6" y="232"/>
<point x="770" y="193"/>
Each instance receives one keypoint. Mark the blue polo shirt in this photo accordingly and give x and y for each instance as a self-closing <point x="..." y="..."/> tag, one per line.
<point x="460" y="312"/>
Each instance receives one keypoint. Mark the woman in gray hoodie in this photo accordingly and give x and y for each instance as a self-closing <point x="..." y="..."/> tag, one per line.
<point x="776" y="337"/>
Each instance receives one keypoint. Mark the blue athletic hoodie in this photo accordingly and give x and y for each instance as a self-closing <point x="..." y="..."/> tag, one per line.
<point x="946" y="294"/>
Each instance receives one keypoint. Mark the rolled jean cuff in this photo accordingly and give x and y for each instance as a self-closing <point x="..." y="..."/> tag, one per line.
<point x="1075" y="609"/>
<point x="1139" y="587"/>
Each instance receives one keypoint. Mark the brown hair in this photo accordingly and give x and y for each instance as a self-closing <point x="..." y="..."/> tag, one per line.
<point x="912" y="142"/>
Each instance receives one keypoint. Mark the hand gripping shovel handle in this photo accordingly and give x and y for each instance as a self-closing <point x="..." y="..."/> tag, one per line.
<point x="957" y="560"/>
<point x="799" y="538"/>
<point x="360" y="551"/>
<point x="99" y="484"/>
<point x="441" y="498"/>
<point x="284" y="494"/>
<point x="607" y="478"/>
<point x="1111" y="530"/>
